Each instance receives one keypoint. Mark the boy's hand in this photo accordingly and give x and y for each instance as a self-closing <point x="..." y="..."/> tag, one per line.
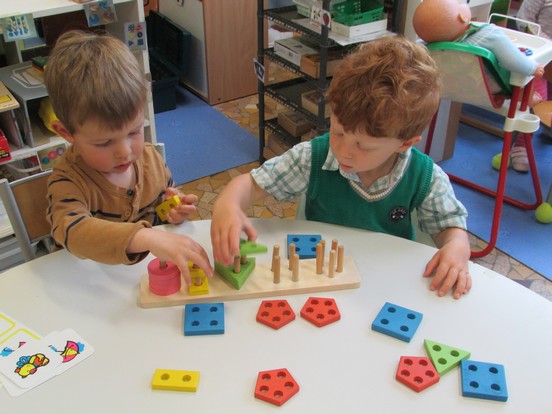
<point x="172" y="247"/>
<point x="226" y="226"/>
<point x="449" y="266"/>
<point x="178" y="214"/>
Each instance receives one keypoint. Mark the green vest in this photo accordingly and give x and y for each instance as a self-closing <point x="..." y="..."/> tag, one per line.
<point x="332" y="199"/>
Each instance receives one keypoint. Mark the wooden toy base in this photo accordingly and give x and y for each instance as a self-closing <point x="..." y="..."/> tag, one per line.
<point x="260" y="284"/>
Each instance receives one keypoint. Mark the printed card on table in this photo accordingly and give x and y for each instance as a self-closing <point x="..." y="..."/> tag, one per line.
<point x="30" y="365"/>
<point x="36" y="362"/>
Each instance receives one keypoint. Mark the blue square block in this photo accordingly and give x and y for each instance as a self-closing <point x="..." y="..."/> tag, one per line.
<point x="204" y="319"/>
<point x="396" y="321"/>
<point x="305" y="244"/>
<point x="483" y="380"/>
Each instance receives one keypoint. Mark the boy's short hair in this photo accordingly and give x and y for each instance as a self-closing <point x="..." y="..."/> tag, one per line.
<point x="89" y="75"/>
<point x="387" y="88"/>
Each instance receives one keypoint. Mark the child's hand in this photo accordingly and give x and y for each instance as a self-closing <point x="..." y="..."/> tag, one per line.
<point x="226" y="226"/>
<point x="175" y="248"/>
<point x="178" y="214"/>
<point x="449" y="266"/>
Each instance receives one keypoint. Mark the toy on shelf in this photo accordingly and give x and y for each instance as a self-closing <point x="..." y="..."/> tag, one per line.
<point x="268" y="277"/>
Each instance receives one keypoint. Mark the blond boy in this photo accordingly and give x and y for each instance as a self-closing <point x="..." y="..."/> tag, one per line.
<point x="104" y="191"/>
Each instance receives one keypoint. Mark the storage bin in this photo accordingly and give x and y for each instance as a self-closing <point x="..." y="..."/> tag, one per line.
<point x="169" y="52"/>
<point x="354" y="12"/>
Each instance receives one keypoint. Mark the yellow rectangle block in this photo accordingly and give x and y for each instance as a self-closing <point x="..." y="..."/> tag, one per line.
<point x="175" y="380"/>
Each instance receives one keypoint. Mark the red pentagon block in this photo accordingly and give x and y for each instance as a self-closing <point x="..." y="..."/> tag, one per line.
<point x="417" y="373"/>
<point x="275" y="313"/>
<point x="275" y="386"/>
<point x="320" y="311"/>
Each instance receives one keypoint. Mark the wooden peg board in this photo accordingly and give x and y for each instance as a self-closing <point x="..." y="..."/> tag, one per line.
<point x="260" y="285"/>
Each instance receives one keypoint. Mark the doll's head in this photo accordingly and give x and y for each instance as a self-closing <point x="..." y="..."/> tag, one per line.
<point x="441" y="20"/>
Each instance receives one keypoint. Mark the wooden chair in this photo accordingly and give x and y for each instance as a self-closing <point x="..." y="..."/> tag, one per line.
<point x="25" y="203"/>
<point x="471" y="75"/>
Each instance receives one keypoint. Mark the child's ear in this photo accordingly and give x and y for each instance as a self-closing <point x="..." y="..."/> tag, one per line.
<point x="409" y="143"/>
<point x="62" y="131"/>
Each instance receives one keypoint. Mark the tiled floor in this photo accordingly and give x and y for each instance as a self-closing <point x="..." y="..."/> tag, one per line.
<point x="244" y="112"/>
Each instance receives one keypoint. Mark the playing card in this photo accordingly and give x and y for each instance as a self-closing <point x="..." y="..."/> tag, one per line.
<point x="70" y="346"/>
<point x="15" y="341"/>
<point x="30" y="365"/>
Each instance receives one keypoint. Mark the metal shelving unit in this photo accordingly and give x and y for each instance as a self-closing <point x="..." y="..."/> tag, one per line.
<point x="288" y="93"/>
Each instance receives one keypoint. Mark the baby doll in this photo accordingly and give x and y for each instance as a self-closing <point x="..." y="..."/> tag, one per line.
<point x="449" y="20"/>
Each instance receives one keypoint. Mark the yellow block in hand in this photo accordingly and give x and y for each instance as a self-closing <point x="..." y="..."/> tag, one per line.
<point x="163" y="208"/>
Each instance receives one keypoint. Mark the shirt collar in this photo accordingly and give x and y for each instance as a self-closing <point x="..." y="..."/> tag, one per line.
<point x="331" y="164"/>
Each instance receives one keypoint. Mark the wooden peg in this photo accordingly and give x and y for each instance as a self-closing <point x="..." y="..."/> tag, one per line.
<point x="276" y="267"/>
<point x="290" y="255"/>
<point x="243" y="259"/>
<point x="162" y="264"/>
<point x="237" y="264"/>
<point x="334" y="245"/>
<point x="319" y="258"/>
<point x="331" y="265"/>
<point x="323" y="242"/>
<point x="340" y="253"/>
<point x="295" y="268"/>
<point x="275" y="252"/>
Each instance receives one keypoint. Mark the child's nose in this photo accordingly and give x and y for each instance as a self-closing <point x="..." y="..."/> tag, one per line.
<point x="123" y="150"/>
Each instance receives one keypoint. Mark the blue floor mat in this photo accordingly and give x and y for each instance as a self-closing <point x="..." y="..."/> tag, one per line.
<point x="520" y="235"/>
<point x="200" y="141"/>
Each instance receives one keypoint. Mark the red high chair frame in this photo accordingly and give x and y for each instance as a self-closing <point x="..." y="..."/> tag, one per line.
<point x="500" y="197"/>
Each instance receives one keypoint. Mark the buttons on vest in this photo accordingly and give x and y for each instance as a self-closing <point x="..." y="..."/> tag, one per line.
<point x="130" y="192"/>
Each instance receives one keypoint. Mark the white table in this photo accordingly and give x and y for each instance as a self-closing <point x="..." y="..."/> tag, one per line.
<point x="343" y="367"/>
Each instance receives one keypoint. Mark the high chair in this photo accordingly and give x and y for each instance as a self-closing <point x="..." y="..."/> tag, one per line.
<point x="471" y="74"/>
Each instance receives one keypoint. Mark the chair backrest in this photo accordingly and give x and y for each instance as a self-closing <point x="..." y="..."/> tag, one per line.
<point x="471" y="74"/>
<point x="25" y="203"/>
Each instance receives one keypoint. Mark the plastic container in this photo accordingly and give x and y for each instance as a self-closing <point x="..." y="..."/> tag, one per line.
<point x="354" y="12"/>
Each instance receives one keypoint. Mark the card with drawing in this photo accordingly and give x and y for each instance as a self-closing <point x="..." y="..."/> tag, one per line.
<point x="30" y="365"/>
<point x="70" y="346"/>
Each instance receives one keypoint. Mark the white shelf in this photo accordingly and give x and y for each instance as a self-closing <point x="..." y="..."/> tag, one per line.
<point x="42" y="8"/>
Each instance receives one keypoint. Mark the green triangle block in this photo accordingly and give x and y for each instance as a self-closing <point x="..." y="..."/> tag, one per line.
<point x="236" y="279"/>
<point x="249" y="247"/>
<point x="444" y="357"/>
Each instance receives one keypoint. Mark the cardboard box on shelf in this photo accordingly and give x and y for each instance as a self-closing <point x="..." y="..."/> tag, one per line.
<point x="309" y="101"/>
<point x="291" y="49"/>
<point x="310" y="64"/>
<point x="295" y="123"/>
<point x="278" y="145"/>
